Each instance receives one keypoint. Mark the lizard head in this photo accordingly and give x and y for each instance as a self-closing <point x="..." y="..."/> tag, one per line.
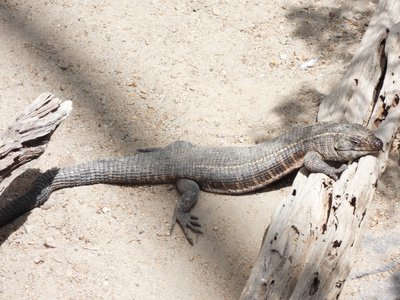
<point x="356" y="141"/>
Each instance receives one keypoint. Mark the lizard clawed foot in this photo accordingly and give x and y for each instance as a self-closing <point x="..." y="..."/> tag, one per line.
<point x="186" y="221"/>
<point x="314" y="163"/>
<point x="335" y="171"/>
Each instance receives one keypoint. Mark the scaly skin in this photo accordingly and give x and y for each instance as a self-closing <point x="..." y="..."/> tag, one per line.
<point x="226" y="170"/>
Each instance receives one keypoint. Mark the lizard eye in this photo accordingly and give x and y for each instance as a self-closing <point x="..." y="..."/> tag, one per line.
<point x="355" y="142"/>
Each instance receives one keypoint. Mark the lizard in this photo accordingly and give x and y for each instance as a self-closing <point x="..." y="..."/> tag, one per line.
<point x="224" y="170"/>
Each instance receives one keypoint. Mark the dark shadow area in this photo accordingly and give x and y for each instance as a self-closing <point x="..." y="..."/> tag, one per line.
<point x="296" y="110"/>
<point x="396" y="285"/>
<point x="282" y="183"/>
<point x="329" y="31"/>
<point x="388" y="184"/>
<point x="17" y="188"/>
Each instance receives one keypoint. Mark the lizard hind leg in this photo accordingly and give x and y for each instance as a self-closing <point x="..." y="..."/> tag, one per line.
<point x="189" y="191"/>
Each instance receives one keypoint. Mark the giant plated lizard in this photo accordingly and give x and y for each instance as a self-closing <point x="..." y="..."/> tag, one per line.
<point x="225" y="170"/>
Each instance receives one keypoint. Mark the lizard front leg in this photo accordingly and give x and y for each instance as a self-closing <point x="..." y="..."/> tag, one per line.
<point x="314" y="163"/>
<point x="189" y="191"/>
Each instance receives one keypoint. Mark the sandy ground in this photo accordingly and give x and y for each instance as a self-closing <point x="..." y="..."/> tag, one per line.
<point x="146" y="73"/>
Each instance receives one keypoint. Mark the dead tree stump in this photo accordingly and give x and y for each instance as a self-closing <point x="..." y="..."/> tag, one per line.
<point x="308" y="249"/>
<point x="27" y="138"/>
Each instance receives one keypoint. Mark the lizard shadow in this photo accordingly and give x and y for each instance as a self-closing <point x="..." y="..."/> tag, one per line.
<point x="18" y="187"/>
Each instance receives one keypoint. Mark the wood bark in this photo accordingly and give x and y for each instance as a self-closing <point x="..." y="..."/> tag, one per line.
<point x="308" y="249"/>
<point x="27" y="138"/>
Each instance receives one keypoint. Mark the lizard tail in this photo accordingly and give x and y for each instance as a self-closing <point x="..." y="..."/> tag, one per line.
<point x="39" y="193"/>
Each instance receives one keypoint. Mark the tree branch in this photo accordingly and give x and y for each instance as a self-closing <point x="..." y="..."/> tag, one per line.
<point x="27" y="138"/>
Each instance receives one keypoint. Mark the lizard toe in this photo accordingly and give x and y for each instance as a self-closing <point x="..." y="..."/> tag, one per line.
<point x="195" y="222"/>
<point x="334" y="176"/>
<point x="187" y="222"/>
<point x="335" y="171"/>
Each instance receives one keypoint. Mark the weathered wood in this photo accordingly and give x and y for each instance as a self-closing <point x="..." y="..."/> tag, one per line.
<point x="354" y="97"/>
<point x="308" y="249"/>
<point x="27" y="138"/>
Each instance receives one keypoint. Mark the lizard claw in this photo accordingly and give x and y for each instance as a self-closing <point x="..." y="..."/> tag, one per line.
<point x="186" y="221"/>
<point x="334" y="176"/>
<point x="335" y="171"/>
<point x="341" y="168"/>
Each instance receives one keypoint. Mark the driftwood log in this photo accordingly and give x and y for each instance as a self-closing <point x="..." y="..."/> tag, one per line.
<point x="308" y="249"/>
<point x="27" y="138"/>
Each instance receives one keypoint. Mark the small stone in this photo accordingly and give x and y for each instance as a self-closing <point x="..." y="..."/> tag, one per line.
<point x="38" y="260"/>
<point x="283" y="56"/>
<point x="105" y="210"/>
<point x="47" y="206"/>
<point x="27" y="228"/>
<point x="308" y="64"/>
<point x="49" y="244"/>
<point x="191" y="258"/>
